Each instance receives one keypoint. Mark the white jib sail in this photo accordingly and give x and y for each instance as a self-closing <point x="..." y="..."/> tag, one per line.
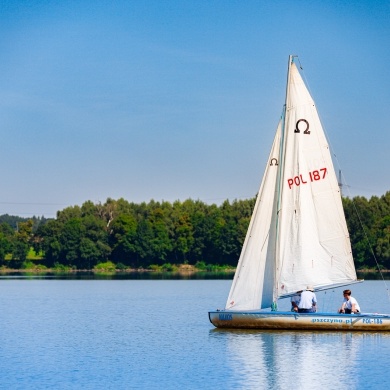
<point x="253" y="281"/>
<point x="313" y="240"/>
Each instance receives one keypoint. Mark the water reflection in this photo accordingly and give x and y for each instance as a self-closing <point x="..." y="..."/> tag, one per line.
<point x="303" y="360"/>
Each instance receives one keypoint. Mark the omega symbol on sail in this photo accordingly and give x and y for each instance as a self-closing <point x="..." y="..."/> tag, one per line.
<point x="297" y="130"/>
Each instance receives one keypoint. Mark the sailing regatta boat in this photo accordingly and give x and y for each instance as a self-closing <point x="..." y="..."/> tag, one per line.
<point x="297" y="235"/>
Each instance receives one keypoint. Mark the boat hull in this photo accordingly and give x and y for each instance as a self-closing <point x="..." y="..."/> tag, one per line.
<point x="299" y="321"/>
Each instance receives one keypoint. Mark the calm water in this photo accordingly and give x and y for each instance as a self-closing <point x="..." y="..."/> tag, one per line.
<point x="155" y="334"/>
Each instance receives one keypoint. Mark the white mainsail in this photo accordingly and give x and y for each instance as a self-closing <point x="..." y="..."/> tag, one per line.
<point x="313" y="239"/>
<point x="298" y="234"/>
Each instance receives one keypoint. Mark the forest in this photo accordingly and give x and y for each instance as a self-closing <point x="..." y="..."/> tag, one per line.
<point x="154" y="234"/>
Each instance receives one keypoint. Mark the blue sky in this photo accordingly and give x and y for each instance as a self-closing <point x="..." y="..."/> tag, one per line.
<point x="171" y="100"/>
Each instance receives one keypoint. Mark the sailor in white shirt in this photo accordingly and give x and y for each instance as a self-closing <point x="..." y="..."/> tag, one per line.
<point x="308" y="301"/>
<point x="350" y="304"/>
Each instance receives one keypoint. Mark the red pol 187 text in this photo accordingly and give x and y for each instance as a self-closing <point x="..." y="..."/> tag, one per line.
<point x="310" y="177"/>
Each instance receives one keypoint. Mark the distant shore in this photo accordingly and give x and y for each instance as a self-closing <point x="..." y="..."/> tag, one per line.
<point x="182" y="269"/>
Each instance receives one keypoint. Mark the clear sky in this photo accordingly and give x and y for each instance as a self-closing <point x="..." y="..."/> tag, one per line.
<point x="175" y="99"/>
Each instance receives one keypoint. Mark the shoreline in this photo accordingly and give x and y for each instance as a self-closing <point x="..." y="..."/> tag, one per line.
<point x="181" y="269"/>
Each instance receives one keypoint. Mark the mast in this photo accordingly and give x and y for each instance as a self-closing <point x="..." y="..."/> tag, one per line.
<point x="340" y="183"/>
<point x="279" y="183"/>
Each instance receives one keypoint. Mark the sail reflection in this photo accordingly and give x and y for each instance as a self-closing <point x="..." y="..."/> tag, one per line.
<point x="280" y="360"/>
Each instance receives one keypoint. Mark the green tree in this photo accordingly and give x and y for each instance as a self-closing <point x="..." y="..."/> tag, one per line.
<point x="139" y="235"/>
<point x="160" y="244"/>
<point x="183" y="239"/>
<point x="70" y="241"/>
<point x="123" y="240"/>
<point x="21" y="244"/>
<point x="6" y="239"/>
<point x="46" y="239"/>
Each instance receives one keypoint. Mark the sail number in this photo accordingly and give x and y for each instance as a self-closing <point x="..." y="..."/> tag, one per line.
<point x="311" y="177"/>
<point x="225" y="317"/>
<point x="372" y="321"/>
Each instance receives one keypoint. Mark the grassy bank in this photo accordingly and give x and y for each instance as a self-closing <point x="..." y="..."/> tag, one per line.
<point x="184" y="269"/>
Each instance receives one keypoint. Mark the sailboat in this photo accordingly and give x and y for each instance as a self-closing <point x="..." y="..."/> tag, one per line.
<point x="297" y="236"/>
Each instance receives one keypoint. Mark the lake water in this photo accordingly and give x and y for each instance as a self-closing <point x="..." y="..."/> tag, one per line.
<point x="155" y="334"/>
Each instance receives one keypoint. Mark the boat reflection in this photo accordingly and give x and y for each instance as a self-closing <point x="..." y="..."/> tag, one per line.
<point x="281" y="360"/>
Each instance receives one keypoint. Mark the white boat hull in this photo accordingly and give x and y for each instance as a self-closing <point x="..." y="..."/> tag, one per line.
<point x="299" y="321"/>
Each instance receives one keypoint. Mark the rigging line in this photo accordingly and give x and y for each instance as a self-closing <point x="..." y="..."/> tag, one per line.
<point x="29" y="215"/>
<point x="331" y="149"/>
<point x="372" y="191"/>
<point x="35" y="203"/>
<point x="278" y="187"/>
<point x="302" y="73"/>
<point x="348" y="187"/>
<point x="327" y="300"/>
<point x="362" y="226"/>
<point x="364" y="231"/>
<point x="371" y="249"/>
<point x="299" y="63"/>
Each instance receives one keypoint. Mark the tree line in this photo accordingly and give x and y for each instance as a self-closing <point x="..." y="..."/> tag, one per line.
<point x="141" y="235"/>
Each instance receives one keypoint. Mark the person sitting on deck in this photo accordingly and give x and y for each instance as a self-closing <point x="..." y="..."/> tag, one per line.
<point x="308" y="301"/>
<point x="350" y="304"/>
<point x="295" y="299"/>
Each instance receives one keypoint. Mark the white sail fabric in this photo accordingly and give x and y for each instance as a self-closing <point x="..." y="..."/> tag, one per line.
<point x="298" y="234"/>
<point x="313" y="240"/>
<point x="253" y="282"/>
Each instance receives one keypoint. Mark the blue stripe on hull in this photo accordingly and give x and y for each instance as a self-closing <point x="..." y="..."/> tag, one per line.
<point x="299" y="321"/>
